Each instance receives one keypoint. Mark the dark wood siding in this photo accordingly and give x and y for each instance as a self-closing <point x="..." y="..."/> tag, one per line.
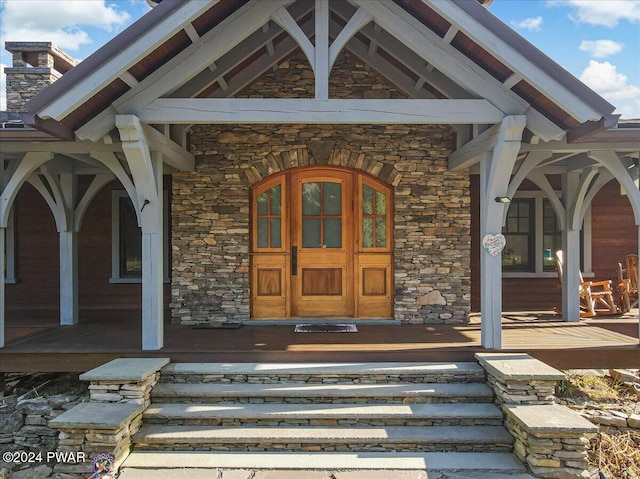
<point x="37" y="257"/>
<point x="37" y="254"/>
<point x="614" y="234"/>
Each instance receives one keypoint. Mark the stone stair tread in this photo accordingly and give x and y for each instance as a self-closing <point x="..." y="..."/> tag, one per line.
<point x="158" y="434"/>
<point x="311" y="474"/>
<point x="330" y="411"/>
<point x="297" y="390"/>
<point x="434" y="461"/>
<point x="329" y="369"/>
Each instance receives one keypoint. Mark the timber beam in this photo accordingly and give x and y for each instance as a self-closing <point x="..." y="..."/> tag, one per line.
<point x="303" y="111"/>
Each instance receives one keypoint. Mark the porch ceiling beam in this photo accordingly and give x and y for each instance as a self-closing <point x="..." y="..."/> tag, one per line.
<point x="165" y="28"/>
<point x="456" y="65"/>
<point x="469" y="154"/>
<point x="59" y="147"/>
<point x="234" y="110"/>
<point x="172" y="153"/>
<point x="564" y="147"/>
<point x="488" y="40"/>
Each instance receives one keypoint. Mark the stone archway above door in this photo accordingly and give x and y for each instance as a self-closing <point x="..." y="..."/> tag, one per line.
<point x="320" y="153"/>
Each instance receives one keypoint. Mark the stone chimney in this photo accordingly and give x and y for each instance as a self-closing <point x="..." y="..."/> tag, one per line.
<point x="36" y="65"/>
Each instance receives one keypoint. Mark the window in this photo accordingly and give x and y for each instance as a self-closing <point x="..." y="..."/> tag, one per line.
<point x="126" y="247"/>
<point x="533" y="235"/>
<point x="519" y="232"/>
<point x="374" y="217"/>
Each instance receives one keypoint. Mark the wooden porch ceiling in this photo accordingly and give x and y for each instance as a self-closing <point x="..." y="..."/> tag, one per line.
<point x="36" y="343"/>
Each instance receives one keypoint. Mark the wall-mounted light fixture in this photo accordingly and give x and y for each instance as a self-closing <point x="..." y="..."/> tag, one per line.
<point x="503" y="199"/>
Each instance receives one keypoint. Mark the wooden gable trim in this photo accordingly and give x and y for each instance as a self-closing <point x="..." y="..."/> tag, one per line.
<point x="218" y="12"/>
<point x="521" y="56"/>
<point x="104" y="66"/>
<point x="160" y="55"/>
<point x="406" y="28"/>
<point x="545" y="105"/>
<point x="482" y="57"/>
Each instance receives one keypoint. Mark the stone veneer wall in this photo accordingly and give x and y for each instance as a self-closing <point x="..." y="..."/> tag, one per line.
<point x="210" y="207"/>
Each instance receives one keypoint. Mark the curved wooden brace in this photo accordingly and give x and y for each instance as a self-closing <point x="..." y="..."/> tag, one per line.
<point x="111" y="161"/>
<point x="30" y="163"/>
<point x="611" y="161"/>
<point x="55" y="187"/>
<point x="508" y="143"/>
<point x="284" y="19"/>
<point x="359" y="20"/>
<point x="586" y="179"/>
<point x="541" y="181"/>
<point x="603" y="178"/>
<point x="99" y="182"/>
<point x="57" y="209"/>
<point x="144" y="172"/>
<point x="532" y="160"/>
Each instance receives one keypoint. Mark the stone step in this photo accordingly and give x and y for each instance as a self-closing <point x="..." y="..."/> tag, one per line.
<point x="286" y="465"/>
<point x="322" y="393"/>
<point x="272" y="414"/>
<point x="323" y="372"/>
<point x="327" y="439"/>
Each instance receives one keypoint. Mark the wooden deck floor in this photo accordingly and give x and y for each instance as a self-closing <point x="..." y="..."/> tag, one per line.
<point x="37" y="343"/>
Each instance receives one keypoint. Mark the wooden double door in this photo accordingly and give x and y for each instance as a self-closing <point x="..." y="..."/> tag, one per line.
<point x="321" y="245"/>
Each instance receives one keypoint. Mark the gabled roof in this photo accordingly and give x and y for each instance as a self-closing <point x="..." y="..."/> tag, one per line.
<point x="429" y="48"/>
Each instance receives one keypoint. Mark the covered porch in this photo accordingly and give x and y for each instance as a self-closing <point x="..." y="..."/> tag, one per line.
<point x="511" y="123"/>
<point x="38" y="343"/>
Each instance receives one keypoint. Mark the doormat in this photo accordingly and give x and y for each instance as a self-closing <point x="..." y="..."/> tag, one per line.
<point x="325" y="328"/>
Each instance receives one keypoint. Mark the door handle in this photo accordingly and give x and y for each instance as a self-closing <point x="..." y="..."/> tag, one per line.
<point x="294" y="261"/>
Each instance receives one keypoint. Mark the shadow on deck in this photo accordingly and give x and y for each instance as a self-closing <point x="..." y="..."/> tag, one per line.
<point x="36" y="343"/>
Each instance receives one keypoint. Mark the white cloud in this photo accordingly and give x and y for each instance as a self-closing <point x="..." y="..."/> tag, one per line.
<point x="3" y="88"/>
<point x="59" y="22"/>
<point x="533" y="24"/>
<point x="605" y="79"/>
<point x="607" y="13"/>
<point x="601" y="48"/>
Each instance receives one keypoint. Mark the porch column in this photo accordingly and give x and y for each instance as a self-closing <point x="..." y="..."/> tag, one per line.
<point x="68" y="254"/>
<point x="495" y="172"/>
<point x="571" y="251"/>
<point x="152" y="267"/>
<point x="146" y="172"/>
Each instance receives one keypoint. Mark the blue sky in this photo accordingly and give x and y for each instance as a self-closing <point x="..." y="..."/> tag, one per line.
<point x="598" y="41"/>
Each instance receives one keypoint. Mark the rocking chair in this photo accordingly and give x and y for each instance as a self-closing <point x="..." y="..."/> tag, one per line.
<point x="628" y="286"/>
<point x="596" y="297"/>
